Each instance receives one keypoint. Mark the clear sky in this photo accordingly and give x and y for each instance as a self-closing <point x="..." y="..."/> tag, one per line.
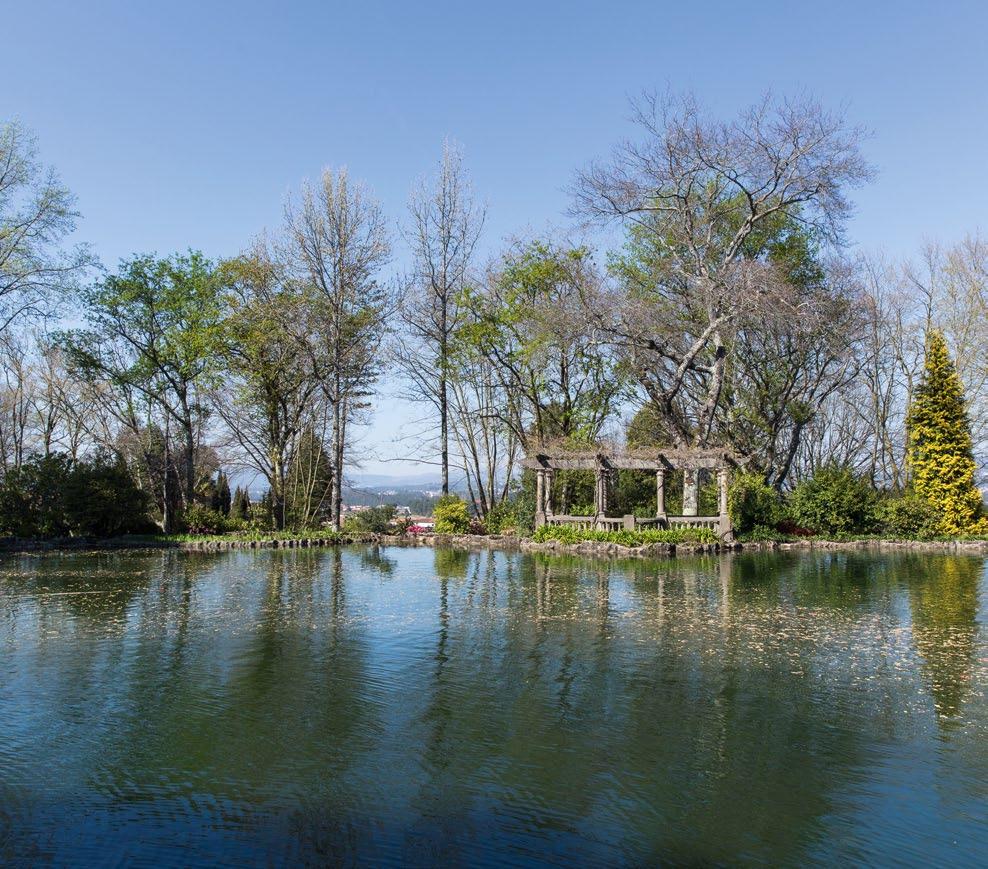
<point x="183" y="124"/>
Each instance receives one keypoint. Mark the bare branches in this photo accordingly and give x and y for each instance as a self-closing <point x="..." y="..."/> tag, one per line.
<point x="715" y="210"/>
<point x="36" y="214"/>
<point x="444" y="227"/>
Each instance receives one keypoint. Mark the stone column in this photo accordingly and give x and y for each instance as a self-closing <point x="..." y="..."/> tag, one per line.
<point x="539" y="498"/>
<point x="660" y="494"/>
<point x="725" y="530"/>
<point x="550" y="479"/>
<point x="691" y="491"/>
<point x="598" y="491"/>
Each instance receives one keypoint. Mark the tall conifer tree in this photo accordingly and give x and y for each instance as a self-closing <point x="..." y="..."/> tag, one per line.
<point x="941" y="458"/>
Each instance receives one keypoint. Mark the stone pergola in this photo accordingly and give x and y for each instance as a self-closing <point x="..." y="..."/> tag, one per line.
<point x="605" y="464"/>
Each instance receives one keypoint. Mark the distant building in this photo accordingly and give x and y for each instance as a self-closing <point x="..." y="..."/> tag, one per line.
<point x="419" y="524"/>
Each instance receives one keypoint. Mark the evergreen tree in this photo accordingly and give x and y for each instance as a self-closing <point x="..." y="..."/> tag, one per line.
<point x="940" y="453"/>
<point x="221" y="501"/>
<point x="240" y="504"/>
<point x="265" y="509"/>
<point x="237" y="510"/>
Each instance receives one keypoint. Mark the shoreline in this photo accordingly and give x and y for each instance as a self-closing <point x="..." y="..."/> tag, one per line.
<point x="508" y="542"/>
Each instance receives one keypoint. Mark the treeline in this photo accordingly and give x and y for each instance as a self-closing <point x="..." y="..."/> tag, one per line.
<point x="732" y="313"/>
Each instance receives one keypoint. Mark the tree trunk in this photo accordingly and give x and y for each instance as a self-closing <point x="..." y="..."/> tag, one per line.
<point x="338" y="435"/>
<point x="444" y="400"/>
<point x="190" y="463"/>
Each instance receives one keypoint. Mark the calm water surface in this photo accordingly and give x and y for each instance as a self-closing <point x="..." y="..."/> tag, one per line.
<point x="409" y="706"/>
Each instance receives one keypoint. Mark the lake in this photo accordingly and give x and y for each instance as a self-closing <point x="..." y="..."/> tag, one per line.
<point x="413" y="706"/>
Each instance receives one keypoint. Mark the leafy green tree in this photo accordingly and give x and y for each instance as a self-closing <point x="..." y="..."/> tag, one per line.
<point x="529" y="321"/>
<point x="240" y="505"/>
<point x="752" y="503"/>
<point x="154" y="328"/>
<point x="721" y="217"/>
<point x="221" y="500"/>
<point x="940" y="453"/>
<point x="269" y="395"/>
<point x="783" y="354"/>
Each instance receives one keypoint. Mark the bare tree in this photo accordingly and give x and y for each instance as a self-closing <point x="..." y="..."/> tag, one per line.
<point x="36" y="214"/>
<point x="705" y="198"/>
<point x="337" y="242"/>
<point x="445" y="224"/>
<point x="486" y="446"/>
<point x="15" y="402"/>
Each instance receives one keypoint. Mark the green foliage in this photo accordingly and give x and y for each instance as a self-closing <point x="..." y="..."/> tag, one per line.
<point x="834" y="501"/>
<point x="167" y="311"/>
<point x="54" y="496"/>
<point x="203" y="519"/>
<point x="529" y="320"/>
<point x="310" y="482"/>
<point x="221" y="500"/>
<point x="503" y="518"/>
<point x="910" y="516"/>
<point x="373" y="520"/>
<point x="752" y="503"/>
<point x="939" y="444"/>
<point x="451" y="515"/>
<point x="762" y="534"/>
<point x="240" y="505"/>
<point x="639" y="537"/>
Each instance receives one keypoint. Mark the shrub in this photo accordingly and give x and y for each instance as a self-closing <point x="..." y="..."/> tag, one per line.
<point x="763" y="534"/>
<point x="501" y="518"/>
<point x="56" y="496"/>
<point x="200" y="519"/>
<point x="908" y="516"/>
<point x="834" y="501"/>
<point x="751" y="503"/>
<point x="373" y="520"/>
<point x="451" y="515"/>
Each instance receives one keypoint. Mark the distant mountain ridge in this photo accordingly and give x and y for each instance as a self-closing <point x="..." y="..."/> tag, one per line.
<point x="396" y="481"/>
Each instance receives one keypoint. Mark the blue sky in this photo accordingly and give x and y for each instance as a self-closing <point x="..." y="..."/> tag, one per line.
<point x="184" y="124"/>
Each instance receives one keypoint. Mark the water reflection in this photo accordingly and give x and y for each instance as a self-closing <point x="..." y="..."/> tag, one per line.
<point x="426" y="706"/>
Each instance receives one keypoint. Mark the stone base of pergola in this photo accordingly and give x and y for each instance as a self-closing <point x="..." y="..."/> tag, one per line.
<point x="662" y="463"/>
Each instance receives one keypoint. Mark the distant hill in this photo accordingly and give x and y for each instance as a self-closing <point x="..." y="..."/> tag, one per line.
<point x="430" y="480"/>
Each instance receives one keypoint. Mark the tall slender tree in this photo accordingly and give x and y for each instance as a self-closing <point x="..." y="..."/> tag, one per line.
<point x="939" y="441"/>
<point x="270" y="393"/>
<point x="337" y="243"/>
<point x="444" y="227"/>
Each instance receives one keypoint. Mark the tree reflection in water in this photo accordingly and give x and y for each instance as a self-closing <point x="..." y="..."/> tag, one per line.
<point x="443" y="706"/>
